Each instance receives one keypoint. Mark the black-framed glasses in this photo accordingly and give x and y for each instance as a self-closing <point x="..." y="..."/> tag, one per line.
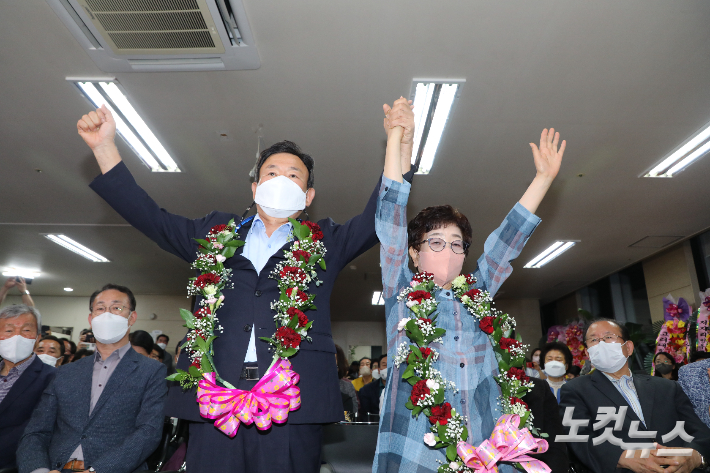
<point x="438" y="244"/>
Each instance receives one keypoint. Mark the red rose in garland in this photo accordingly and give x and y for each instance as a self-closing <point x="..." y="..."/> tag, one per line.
<point x="486" y="325"/>
<point x="425" y="351"/>
<point x="508" y="343"/>
<point x="472" y="293"/>
<point x="202" y="312"/>
<point x="300" y="295"/>
<point x="422" y="276"/>
<point x="300" y="255"/>
<point x="218" y="228"/>
<point x="470" y="279"/>
<point x="288" y="337"/>
<point x="516" y="400"/>
<point x="293" y="273"/>
<point x="302" y="318"/>
<point x="419" y="296"/>
<point x="518" y="373"/>
<point x="207" y="279"/>
<point x="419" y="390"/>
<point x="440" y="414"/>
<point x="316" y="232"/>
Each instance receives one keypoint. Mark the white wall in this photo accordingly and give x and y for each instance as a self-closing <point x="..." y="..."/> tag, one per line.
<point x="70" y="311"/>
<point x="526" y="313"/>
<point x="348" y="334"/>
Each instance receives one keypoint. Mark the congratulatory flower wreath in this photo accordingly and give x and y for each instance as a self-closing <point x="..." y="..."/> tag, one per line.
<point x="276" y="392"/>
<point x="448" y="430"/>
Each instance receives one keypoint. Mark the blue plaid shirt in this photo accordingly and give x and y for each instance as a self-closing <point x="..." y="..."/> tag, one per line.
<point x="466" y="356"/>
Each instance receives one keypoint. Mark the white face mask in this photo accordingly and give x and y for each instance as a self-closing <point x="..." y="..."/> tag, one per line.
<point x="383" y="373"/>
<point x="280" y="197"/>
<point x="555" y="369"/>
<point x="16" y="348"/>
<point x="48" y="359"/>
<point x="162" y="345"/>
<point x="607" y="357"/>
<point x="365" y="371"/>
<point x="109" y="328"/>
<point x="375" y="374"/>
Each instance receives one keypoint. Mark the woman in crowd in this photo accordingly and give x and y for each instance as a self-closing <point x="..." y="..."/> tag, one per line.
<point x="142" y="342"/>
<point x="573" y="372"/>
<point x="665" y="365"/>
<point x="365" y="374"/>
<point x="347" y="391"/>
<point x="534" y="370"/>
<point x="556" y="360"/>
<point x="437" y="240"/>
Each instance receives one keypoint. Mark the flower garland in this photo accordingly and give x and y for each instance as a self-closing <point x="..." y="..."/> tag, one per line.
<point x="293" y="277"/>
<point x="448" y="428"/>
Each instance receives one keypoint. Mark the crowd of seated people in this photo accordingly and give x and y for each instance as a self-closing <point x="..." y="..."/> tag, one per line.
<point x="39" y="373"/>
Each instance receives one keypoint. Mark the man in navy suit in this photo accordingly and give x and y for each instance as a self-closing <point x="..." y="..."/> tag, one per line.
<point x="23" y="376"/>
<point x="641" y="402"/>
<point x="240" y="356"/>
<point x="103" y="413"/>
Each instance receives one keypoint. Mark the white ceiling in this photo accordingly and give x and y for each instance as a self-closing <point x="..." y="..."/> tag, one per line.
<point x="625" y="83"/>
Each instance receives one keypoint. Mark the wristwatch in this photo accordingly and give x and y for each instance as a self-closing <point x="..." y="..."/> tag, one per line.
<point x="27" y="292"/>
<point x="91" y="468"/>
<point x="703" y="463"/>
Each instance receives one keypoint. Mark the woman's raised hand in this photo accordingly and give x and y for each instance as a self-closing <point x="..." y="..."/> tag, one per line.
<point x="548" y="157"/>
<point x="400" y="114"/>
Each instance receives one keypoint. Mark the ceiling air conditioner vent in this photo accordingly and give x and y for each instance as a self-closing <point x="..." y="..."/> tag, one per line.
<point x="161" y="35"/>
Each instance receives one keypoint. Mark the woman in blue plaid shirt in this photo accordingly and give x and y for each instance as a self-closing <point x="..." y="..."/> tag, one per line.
<point x="438" y="241"/>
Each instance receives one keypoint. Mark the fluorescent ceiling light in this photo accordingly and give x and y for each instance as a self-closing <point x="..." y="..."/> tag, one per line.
<point x="433" y="101"/>
<point x="552" y="252"/>
<point x="377" y="298"/>
<point x="692" y="150"/>
<point x="23" y="273"/>
<point x="77" y="248"/>
<point x="68" y="289"/>
<point x="129" y="124"/>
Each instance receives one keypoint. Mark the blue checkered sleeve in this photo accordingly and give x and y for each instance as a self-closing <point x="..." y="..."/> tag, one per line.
<point x="391" y="228"/>
<point x="503" y="246"/>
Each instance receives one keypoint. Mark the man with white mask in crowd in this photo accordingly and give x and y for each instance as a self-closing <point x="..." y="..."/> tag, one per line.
<point x="283" y="187"/>
<point x="50" y="350"/>
<point x="103" y="413"/>
<point x="653" y="404"/>
<point x="23" y="376"/>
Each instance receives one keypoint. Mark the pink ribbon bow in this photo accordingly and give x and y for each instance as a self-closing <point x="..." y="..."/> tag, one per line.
<point x="269" y="401"/>
<point x="507" y="443"/>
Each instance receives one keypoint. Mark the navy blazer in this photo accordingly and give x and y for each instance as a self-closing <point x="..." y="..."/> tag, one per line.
<point x="249" y="302"/>
<point x="662" y="401"/>
<point x="123" y="429"/>
<point x="17" y="407"/>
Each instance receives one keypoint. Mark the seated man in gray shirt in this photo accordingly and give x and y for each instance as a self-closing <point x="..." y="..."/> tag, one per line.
<point x="103" y="413"/>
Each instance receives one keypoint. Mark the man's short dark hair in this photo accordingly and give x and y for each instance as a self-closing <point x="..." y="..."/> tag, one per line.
<point x="366" y="358"/>
<point x="380" y="358"/>
<point x="55" y="339"/>
<point x="285" y="147"/>
<point x="72" y="345"/>
<point x="624" y="330"/>
<point x="162" y="335"/>
<point x="114" y="287"/>
<point x="559" y="346"/>
<point x="699" y="355"/>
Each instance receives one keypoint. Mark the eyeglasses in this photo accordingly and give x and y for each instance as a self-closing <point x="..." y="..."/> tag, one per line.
<point x="438" y="244"/>
<point x="606" y="338"/>
<point x="114" y="309"/>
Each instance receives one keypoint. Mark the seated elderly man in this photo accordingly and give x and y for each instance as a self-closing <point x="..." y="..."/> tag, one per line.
<point x="103" y="413"/>
<point x="23" y="376"/>
<point x="616" y="412"/>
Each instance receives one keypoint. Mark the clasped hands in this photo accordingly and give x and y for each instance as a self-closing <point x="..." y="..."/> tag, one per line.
<point x="655" y="464"/>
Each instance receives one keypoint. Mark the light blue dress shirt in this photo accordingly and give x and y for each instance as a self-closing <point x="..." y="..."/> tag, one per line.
<point x="258" y="248"/>
<point x="625" y="386"/>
